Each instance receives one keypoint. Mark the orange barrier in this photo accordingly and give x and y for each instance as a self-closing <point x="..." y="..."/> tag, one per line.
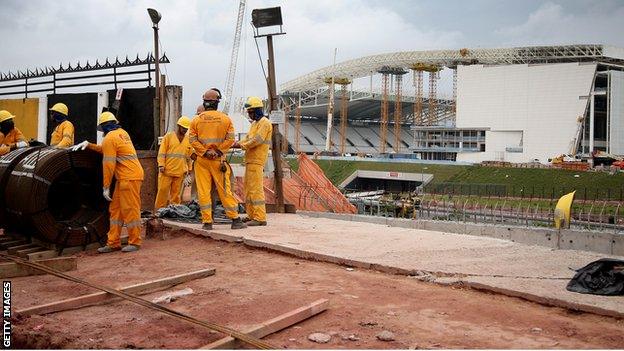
<point x="308" y="189"/>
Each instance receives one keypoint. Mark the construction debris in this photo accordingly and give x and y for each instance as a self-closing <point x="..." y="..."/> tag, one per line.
<point x="172" y="296"/>
<point x="386" y="336"/>
<point x="320" y="338"/>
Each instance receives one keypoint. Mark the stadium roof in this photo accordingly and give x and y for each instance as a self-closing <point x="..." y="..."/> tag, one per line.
<point x="368" y="65"/>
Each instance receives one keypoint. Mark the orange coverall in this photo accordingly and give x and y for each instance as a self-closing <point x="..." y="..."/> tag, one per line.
<point x="121" y="161"/>
<point x="63" y="135"/>
<point x="256" y="145"/>
<point x="9" y="140"/>
<point x="174" y="155"/>
<point x="213" y="130"/>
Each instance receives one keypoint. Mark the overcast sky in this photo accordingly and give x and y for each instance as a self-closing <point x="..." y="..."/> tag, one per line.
<point x="197" y="35"/>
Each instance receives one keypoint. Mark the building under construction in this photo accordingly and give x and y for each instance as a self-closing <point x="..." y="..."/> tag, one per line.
<point x="511" y="104"/>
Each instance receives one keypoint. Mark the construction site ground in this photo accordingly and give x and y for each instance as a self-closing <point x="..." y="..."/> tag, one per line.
<point x="252" y="285"/>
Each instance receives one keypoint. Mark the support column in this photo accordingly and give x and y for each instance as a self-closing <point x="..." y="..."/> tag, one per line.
<point x="383" y="127"/>
<point x="592" y="122"/>
<point x="344" y="106"/>
<point x="433" y="95"/>
<point x="298" y="128"/>
<point x="398" y="112"/>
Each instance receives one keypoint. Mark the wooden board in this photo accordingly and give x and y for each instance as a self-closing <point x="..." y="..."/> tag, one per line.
<point x="12" y="269"/>
<point x="7" y="244"/>
<point x="273" y="325"/>
<point x="13" y="249"/>
<point x="99" y="297"/>
<point x="42" y="255"/>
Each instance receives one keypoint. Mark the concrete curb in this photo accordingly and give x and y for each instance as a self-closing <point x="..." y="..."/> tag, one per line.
<point x="440" y="278"/>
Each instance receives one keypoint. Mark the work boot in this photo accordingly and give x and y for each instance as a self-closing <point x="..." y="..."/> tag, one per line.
<point x="246" y="219"/>
<point x="207" y="226"/>
<point x="237" y="223"/>
<point x="255" y="223"/>
<point x="130" y="248"/>
<point x="107" y="249"/>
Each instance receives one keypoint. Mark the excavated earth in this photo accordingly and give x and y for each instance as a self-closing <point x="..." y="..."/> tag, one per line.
<point x="251" y="286"/>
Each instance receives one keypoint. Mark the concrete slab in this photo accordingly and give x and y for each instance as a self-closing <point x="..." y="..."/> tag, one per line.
<point x="535" y="273"/>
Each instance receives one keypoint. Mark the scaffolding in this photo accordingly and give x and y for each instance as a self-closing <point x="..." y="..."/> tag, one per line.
<point x="418" y="98"/>
<point x="398" y="112"/>
<point x="383" y="126"/>
<point x="344" y="107"/>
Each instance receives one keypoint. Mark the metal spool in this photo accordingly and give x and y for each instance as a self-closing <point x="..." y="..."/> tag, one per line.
<point x="54" y="195"/>
<point x="7" y="163"/>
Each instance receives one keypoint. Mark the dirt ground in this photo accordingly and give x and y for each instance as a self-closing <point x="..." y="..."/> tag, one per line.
<point x="251" y="286"/>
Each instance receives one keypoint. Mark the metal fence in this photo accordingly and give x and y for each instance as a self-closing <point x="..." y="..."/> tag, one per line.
<point x="600" y="216"/>
<point x="525" y="192"/>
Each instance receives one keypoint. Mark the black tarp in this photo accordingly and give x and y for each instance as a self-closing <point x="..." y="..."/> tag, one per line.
<point x="135" y="115"/>
<point x="602" y="277"/>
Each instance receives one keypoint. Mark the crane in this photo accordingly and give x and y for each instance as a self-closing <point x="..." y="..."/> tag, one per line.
<point x="229" y="85"/>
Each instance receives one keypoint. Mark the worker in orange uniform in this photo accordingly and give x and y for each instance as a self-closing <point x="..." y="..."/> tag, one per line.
<point x="191" y="180"/>
<point x="63" y="134"/>
<point x="211" y="135"/>
<point x="173" y="164"/>
<point x="256" y="145"/>
<point x="120" y="161"/>
<point x="11" y="138"/>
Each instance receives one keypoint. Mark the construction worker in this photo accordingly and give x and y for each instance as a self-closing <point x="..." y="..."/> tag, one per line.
<point x="120" y="161"/>
<point x="63" y="134"/>
<point x="256" y="145"/>
<point x="211" y="135"/>
<point x="191" y="180"/>
<point x="173" y="164"/>
<point x="11" y="138"/>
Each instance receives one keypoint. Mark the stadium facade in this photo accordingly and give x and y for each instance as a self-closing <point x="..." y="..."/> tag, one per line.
<point x="512" y="104"/>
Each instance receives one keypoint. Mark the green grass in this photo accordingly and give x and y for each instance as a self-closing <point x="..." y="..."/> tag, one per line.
<point x="519" y="181"/>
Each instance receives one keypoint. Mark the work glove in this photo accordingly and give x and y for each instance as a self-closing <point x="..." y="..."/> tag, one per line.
<point x="106" y="194"/>
<point x="161" y="169"/>
<point x="21" y="144"/>
<point x="211" y="154"/>
<point x="188" y="179"/>
<point x="80" y="146"/>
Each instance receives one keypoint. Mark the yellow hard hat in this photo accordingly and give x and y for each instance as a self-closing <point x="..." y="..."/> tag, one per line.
<point x="184" y="122"/>
<point x="107" y="117"/>
<point x="254" y="102"/>
<point x="5" y="116"/>
<point x="60" y="108"/>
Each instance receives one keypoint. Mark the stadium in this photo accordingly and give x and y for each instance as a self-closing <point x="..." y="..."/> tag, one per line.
<point x="521" y="104"/>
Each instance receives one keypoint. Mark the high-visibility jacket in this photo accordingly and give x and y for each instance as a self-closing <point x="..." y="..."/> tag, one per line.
<point x="211" y="130"/>
<point x="174" y="154"/>
<point x="120" y="158"/>
<point x="63" y="135"/>
<point x="257" y="142"/>
<point x="8" y="141"/>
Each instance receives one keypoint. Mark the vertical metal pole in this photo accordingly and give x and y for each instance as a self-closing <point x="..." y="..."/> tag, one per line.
<point x="330" y="107"/>
<point x="275" y="145"/>
<point x="26" y="88"/>
<point x="115" y="76"/>
<point x="156" y="119"/>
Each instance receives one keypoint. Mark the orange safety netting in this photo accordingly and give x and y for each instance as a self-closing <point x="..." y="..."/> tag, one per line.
<point x="308" y="189"/>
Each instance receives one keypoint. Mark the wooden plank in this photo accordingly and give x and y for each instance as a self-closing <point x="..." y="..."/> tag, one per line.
<point x="99" y="297"/>
<point x="5" y="245"/>
<point x="4" y="238"/>
<point x="24" y="253"/>
<point x="42" y="255"/>
<point x="14" y="249"/>
<point x="12" y="269"/>
<point x="273" y="325"/>
<point x="75" y="249"/>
